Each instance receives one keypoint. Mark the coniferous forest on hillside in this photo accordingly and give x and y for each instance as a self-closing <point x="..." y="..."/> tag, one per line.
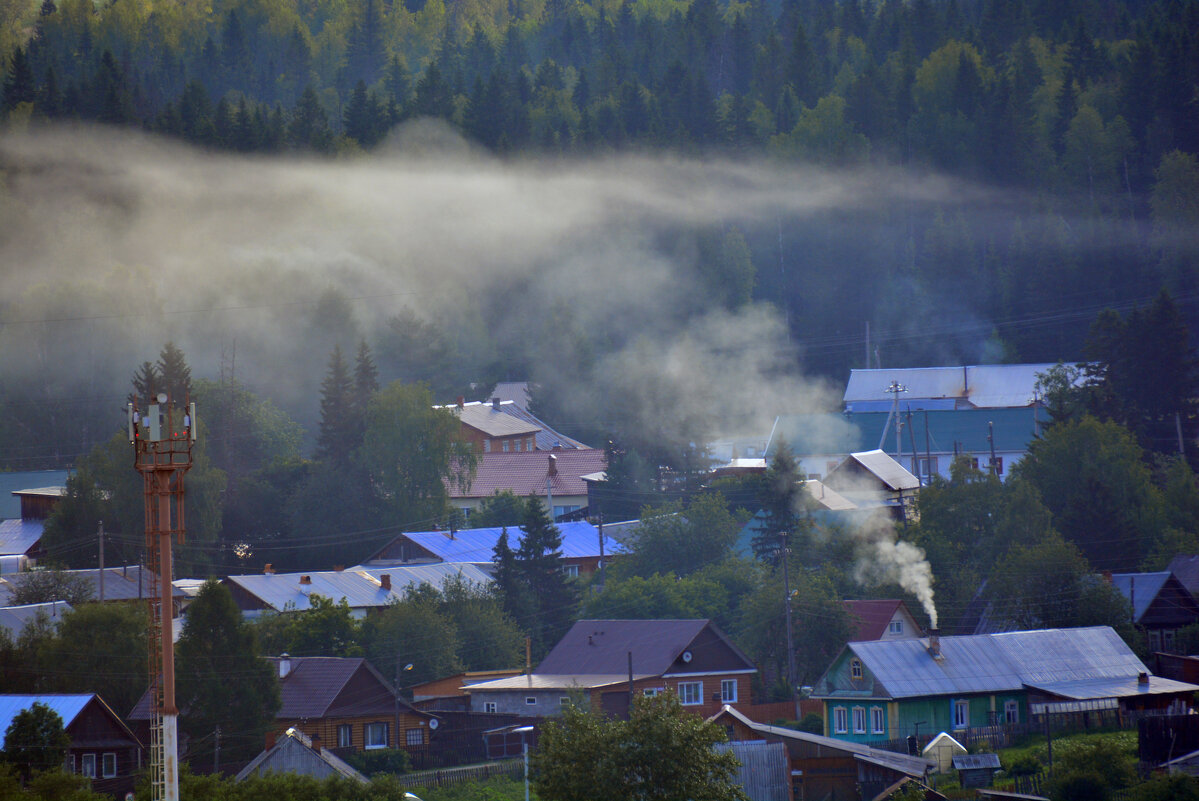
<point x="1033" y="163"/>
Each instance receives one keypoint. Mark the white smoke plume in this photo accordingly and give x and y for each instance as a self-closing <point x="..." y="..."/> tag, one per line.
<point x="882" y="558"/>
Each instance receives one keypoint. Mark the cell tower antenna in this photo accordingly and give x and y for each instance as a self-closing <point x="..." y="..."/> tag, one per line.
<point x="162" y="440"/>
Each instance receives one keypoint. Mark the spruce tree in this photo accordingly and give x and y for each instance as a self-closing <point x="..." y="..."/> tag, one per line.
<point x="175" y="376"/>
<point x="540" y="560"/>
<point x="335" y="441"/>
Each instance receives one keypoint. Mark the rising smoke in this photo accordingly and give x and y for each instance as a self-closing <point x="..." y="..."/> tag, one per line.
<point x="882" y="558"/>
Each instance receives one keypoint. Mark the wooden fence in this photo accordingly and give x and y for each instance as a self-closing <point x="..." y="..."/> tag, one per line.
<point x="513" y="768"/>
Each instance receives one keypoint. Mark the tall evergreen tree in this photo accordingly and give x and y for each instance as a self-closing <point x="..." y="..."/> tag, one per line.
<point x="540" y="558"/>
<point x="335" y="440"/>
<point x="19" y="85"/>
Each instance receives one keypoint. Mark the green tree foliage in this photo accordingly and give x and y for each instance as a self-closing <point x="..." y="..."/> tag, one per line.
<point x="326" y="628"/>
<point x="488" y="637"/>
<point x="682" y="538"/>
<point x="503" y="508"/>
<point x="44" y="585"/>
<point x="539" y="559"/>
<point x="414" y="631"/>
<point x="35" y="740"/>
<point x="783" y="523"/>
<point x="221" y="678"/>
<point x="661" y="752"/>
<point x="100" y="648"/>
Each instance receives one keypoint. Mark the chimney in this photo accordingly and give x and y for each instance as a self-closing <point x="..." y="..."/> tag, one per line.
<point x="553" y="468"/>
<point x="385" y="581"/>
<point x="316" y="743"/>
<point x="284" y="666"/>
<point x="495" y="403"/>
<point x="1142" y="680"/>
<point x="268" y="569"/>
<point x="305" y="579"/>
<point x="461" y="401"/>
<point x="934" y="643"/>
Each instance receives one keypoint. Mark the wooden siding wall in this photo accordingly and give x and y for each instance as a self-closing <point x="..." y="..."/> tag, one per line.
<point x="326" y="728"/>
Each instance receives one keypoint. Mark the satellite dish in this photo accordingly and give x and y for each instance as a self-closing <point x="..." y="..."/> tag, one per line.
<point x="686" y="656"/>
<point x="434" y="723"/>
<point x="162" y="397"/>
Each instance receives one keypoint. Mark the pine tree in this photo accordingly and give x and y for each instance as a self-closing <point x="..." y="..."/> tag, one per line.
<point x="781" y="500"/>
<point x="19" y="86"/>
<point x="540" y="560"/>
<point x="175" y="377"/>
<point x="335" y="441"/>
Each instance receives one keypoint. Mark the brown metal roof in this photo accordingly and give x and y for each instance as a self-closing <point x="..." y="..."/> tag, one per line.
<point x="603" y="646"/>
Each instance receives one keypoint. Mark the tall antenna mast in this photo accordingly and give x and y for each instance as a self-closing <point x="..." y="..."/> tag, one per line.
<point x="162" y="442"/>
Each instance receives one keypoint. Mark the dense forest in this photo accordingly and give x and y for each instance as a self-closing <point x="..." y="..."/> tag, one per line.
<point x="946" y="182"/>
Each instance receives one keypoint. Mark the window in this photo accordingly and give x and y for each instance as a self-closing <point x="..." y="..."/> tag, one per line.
<point x="506" y="444"/>
<point x="855" y="668"/>
<point x="650" y="692"/>
<point x="374" y="735"/>
<point x="728" y="691"/>
<point x="927" y="466"/>
<point x="1168" y="640"/>
<point x="895" y="627"/>
<point x="691" y="692"/>
<point x="529" y="444"/>
<point x="108" y="765"/>
<point x="840" y="720"/>
<point x="571" y="570"/>
<point x="999" y="465"/>
<point x="71" y="762"/>
<point x="414" y="737"/>
<point x="961" y="714"/>
<point x="876" y="720"/>
<point x="489" y="706"/>
<point x="564" y="701"/>
<point x="859" y="720"/>
<point x="520" y="445"/>
<point x="1011" y="711"/>
<point x="531" y="700"/>
<point x="345" y="736"/>
<point x="486" y="446"/>
<point x="88" y="762"/>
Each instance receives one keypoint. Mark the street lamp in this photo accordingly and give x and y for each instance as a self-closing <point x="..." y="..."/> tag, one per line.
<point x="523" y="730"/>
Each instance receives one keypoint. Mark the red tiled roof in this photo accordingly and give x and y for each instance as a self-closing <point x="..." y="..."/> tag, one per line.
<point x="524" y="473"/>
<point x="871" y="618"/>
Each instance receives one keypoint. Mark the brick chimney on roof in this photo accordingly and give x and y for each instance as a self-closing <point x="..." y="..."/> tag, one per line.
<point x="385" y="581"/>
<point x="461" y="401"/>
<point x="268" y="569"/>
<point x="553" y="466"/>
<point x="305" y="579"/>
<point x="495" y="402"/>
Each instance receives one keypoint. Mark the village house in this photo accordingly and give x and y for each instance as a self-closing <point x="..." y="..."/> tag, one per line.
<point x="102" y="747"/>
<point x="882" y="620"/>
<point x="1160" y="604"/>
<point x="602" y="660"/>
<point x="23" y="518"/>
<point x="879" y="691"/>
<point x="581" y="547"/>
<point x="123" y="584"/>
<point x="555" y="477"/>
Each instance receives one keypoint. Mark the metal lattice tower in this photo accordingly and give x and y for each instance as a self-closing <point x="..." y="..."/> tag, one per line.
<point x="162" y="441"/>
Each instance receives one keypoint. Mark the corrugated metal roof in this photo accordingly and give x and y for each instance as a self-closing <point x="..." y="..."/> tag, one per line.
<point x="120" y="583"/>
<point x="764" y="769"/>
<point x="980" y="385"/>
<point x="19" y="536"/>
<point x="492" y="421"/>
<point x="66" y="706"/>
<point x="603" y="646"/>
<point x="580" y="540"/>
<point x="360" y="587"/>
<point x="995" y="662"/>
<point x="13" y="619"/>
<point x="885" y="469"/>
<point x="555" y="681"/>
<point x="524" y="473"/>
<point x="1120" y="687"/>
<point x="1146" y="586"/>
<point x="976" y="761"/>
<point x="293" y="753"/>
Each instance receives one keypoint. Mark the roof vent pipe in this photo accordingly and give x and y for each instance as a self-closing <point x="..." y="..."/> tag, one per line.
<point x="284" y="666"/>
<point x="495" y="402"/>
<point x="934" y="643"/>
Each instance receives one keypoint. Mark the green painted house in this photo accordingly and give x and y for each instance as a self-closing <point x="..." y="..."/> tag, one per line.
<point x="889" y="689"/>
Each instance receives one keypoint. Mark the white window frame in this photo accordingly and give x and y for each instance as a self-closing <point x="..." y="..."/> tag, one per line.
<point x="691" y="693"/>
<point x="650" y="692"/>
<point x="490" y="707"/>
<point x="895" y="627"/>
<point x="506" y="446"/>
<point x="571" y="570"/>
<point x="108" y="764"/>
<point x="1011" y="711"/>
<point x="855" y="668"/>
<point x="345" y="735"/>
<point x="71" y="757"/>
<point x="728" y="691"/>
<point x="961" y="714"/>
<point x="87" y="765"/>
<point x="840" y="720"/>
<point x="859" y="720"/>
<point x="414" y="737"/>
<point x="530" y="700"/>
<point x="877" y="723"/>
<point x="369" y="742"/>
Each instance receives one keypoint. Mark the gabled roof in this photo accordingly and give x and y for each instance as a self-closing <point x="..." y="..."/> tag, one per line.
<point x="492" y="420"/>
<point x="603" y="646"/>
<point x="580" y="540"/>
<point x="361" y="586"/>
<point x="13" y="619"/>
<point x="547" y="438"/>
<point x="68" y="706"/>
<point x="1185" y="568"/>
<point x="293" y="753"/>
<point x="913" y="766"/>
<point x="126" y="583"/>
<point x="873" y="616"/>
<point x="978" y="386"/>
<point x="524" y="473"/>
<point x="19" y="537"/>
<point x="993" y="662"/>
<point x="314" y="684"/>
<point x="878" y="464"/>
<point x="1142" y="589"/>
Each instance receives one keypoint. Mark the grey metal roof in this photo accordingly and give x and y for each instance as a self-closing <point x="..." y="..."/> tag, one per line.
<point x="886" y="470"/>
<point x="603" y="646"/>
<point x="1119" y="687"/>
<point x="361" y="587"/>
<point x="979" y="386"/>
<point x="19" y="536"/>
<point x="125" y="583"/>
<point x="14" y="619"/>
<point x="996" y="662"/>
<point x="1146" y="586"/>
<point x="975" y="761"/>
<point x="10" y="504"/>
<point x="494" y="422"/>
<point x="293" y="753"/>
<point x="554" y="681"/>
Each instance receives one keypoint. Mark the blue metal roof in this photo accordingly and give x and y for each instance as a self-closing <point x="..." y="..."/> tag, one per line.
<point x="997" y="662"/>
<point x="841" y="434"/>
<point x="18" y="536"/>
<point x="580" y="540"/>
<point x="361" y="587"/>
<point x="67" y="706"/>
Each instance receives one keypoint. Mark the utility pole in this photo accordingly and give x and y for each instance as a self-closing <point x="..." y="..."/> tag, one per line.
<point x="893" y="389"/>
<point x="100" y="533"/>
<point x="216" y="749"/>
<point x="787" y="600"/>
<point x="162" y="442"/>
<point x="991" y="442"/>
